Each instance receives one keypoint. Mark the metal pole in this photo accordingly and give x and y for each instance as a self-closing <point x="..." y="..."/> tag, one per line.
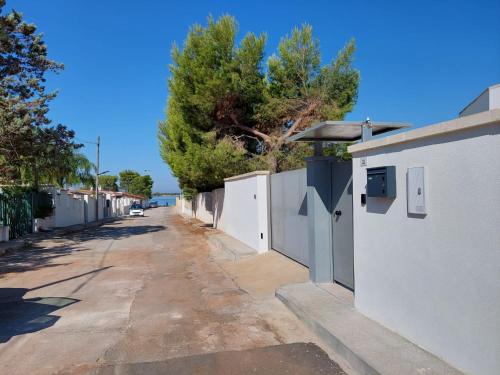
<point x="318" y="148"/>
<point x="97" y="181"/>
<point x="366" y="130"/>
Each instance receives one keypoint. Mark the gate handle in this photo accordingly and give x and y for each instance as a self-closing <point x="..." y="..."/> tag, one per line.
<point x="338" y="213"/>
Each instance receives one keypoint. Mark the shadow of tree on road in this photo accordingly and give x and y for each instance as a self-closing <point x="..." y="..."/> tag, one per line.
<point x="34" y="258"/>
<point x="107" y="232"/>
<point x="19" y="316"/>
<point x="44" y="254"/>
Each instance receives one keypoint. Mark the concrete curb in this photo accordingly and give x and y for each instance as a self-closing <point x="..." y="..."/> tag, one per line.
<point x="231" y="246"/>
<point x="366" y="346"/>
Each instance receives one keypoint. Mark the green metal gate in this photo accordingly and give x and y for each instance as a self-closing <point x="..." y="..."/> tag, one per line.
<point x="17" y="212"/>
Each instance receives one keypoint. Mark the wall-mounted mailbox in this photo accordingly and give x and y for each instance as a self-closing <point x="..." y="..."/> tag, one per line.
<point x="381" y="182"/>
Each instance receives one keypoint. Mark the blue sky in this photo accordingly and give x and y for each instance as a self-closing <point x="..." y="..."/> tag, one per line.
<point x="420" y="61"/>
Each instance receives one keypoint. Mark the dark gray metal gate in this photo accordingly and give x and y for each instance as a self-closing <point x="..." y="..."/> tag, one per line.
<point x="289" y="225"/>
<point x="342" y="224"/>
<point x="16" y="211"/>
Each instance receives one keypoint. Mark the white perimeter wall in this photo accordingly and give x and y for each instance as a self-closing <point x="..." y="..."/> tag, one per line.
<point x="203" y="207"/>
<point x="72" y="209"/>
<point x="68" y="209"/>
<point x="242" y="209"/>
<point x="436" y="279"/>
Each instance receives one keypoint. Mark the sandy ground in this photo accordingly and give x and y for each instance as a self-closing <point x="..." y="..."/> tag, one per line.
<point x="147" y="296"/>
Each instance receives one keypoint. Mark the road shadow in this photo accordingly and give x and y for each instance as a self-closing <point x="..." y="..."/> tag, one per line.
<point x="34" y="258"/>
<point x="109" y="232"/>
<point x="38" y="256"/>
<point x="20" y="316"/>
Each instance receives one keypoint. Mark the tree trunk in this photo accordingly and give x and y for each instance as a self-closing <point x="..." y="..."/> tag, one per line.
<point x="273" y="162"/>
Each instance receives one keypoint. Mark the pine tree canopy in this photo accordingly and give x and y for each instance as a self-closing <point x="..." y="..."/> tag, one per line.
<point x="230" y="112"/>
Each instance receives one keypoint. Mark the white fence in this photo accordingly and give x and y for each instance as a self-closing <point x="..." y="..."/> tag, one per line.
<point x="241" y="209"/>
<point x="73" y="208"/>
<point x="203" y="208"/>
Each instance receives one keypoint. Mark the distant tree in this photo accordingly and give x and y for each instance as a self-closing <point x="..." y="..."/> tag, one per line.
<point x="142" y="185"/>
<point x="30" y="149"/>
<point x="222" y="98"/>
<point x="73" y="169"/>
<point x="126" y="178"/>
<point x="108" y="183"/>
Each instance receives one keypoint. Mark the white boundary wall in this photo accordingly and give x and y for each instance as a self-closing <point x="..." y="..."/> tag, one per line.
<point x="203" y="208"/>
<point x="435" y="279"/>
<point x="73" y="208"/>
<point x="241" y="209"/>
<point x="69" y="209"/>
<point x="244" y="212"/>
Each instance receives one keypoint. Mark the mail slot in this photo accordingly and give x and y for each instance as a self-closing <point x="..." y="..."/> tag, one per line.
<point x="381" y="182"/>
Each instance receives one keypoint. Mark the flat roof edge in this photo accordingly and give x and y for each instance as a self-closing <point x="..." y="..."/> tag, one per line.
<point x="458" y="124"/>
<point x="247" y="175"/>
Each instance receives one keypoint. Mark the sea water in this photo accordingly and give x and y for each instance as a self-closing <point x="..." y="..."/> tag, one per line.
<point x="164" y="201"/>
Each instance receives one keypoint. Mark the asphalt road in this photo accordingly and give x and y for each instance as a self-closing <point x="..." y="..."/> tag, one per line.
<point x="142" y="296"/>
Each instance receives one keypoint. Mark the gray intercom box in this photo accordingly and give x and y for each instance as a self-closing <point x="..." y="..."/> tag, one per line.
<point x="415" y="182"/>
<point x="381" y="182"/>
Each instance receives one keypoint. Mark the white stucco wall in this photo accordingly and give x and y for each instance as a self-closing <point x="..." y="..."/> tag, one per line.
<point x="242" y="209"/>
<point x="186" y="207"/>
<point x="68" y="209"/>
<point x="218" y="203"/>
<point x="435" y="279"/>
<point x="203" y="208"/>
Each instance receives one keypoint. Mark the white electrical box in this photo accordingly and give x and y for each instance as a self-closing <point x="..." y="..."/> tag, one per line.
<point x="415" y="181"/>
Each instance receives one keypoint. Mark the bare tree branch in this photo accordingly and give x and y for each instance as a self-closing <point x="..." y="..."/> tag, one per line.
<point x="252" y="131"/>
<point x="311" y="108"/>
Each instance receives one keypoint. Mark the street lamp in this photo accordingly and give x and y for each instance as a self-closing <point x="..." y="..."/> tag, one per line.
<point x="97" y="174"/>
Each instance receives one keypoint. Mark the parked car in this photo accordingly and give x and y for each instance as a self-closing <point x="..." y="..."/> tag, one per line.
<point x="153" y="204"/>
<point x="136" y="210"/>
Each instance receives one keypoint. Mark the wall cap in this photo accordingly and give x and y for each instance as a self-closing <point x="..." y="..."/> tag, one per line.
<point x="458" y="124"/>
<point x="247" y="175"/>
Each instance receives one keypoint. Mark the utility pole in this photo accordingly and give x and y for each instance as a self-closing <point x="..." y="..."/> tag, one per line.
<point x="97" y="181"/>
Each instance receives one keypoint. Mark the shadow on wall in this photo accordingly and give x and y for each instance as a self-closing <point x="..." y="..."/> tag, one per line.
<point x="19" y="316"/>
<point x="218" y="205"/>
<point x="205" y="201"/>
<point x="378" y="205"/>
<point x="303" y="206"/>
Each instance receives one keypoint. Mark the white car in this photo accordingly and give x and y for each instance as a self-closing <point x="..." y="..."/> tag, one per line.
<point x="136" y="210"/>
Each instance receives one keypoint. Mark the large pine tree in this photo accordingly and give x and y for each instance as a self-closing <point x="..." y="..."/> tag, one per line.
<point x="228" y="113"/>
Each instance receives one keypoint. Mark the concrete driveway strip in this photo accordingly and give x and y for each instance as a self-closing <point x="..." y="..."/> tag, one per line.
<point x="142" y="295"/>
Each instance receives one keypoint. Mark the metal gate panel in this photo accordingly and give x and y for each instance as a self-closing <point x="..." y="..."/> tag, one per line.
<point x="342" y="224"/>
<point x="289" y="228"/>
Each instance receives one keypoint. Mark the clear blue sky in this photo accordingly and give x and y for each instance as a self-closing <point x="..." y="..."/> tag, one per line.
<point x="420" y="61"/>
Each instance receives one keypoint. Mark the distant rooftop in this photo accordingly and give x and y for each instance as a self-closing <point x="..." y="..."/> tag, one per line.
<point x="486" y="101"/>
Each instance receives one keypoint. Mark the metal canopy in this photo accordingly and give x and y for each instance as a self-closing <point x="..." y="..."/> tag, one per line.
<point x="346" y="131"/>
